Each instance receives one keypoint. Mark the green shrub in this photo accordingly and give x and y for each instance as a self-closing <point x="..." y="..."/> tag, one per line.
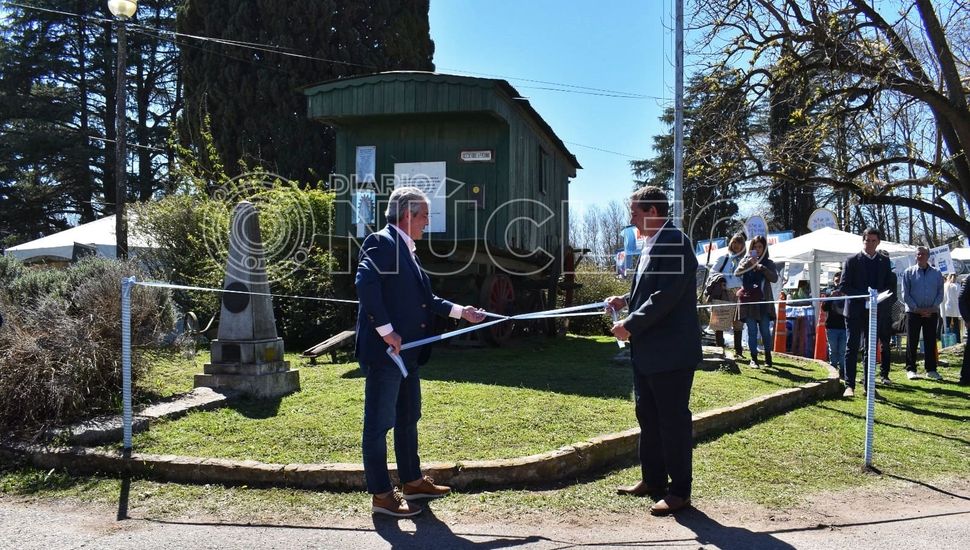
<point x="597" y="285"/>
<point x="60" y="350"/>
<point x="191" y="233"/>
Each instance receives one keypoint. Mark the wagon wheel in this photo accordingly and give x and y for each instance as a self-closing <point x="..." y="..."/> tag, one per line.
<point x="498" y="296"/>
<point x="531" y="301"/>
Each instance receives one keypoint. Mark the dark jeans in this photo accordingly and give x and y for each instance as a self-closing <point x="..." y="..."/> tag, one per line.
<point x="858" y="329"/>
<point x="390" y="401"/>
<point x="927" y="325"/>
<point x="762" y="325"/>
<point x="965" y="369"/>
<point x="666" y="429"/>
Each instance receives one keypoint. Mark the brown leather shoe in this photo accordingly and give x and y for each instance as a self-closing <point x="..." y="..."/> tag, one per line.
<point x="425" y="488"/>
<point x="669" y="505"/>
<point x="393" y="504"/>
<point x="641" y="489"/>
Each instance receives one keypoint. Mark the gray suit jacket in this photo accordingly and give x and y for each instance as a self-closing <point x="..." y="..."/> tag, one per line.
<point x="664" y="330"/>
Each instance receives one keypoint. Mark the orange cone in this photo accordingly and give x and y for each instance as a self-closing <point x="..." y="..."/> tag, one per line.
<point x="781" y="333"/>
<point x="821" y="339"/>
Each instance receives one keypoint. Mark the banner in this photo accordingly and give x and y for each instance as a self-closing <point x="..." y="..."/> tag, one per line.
<point x="822" y="217"/>
<point x="940" y="257"/>
<point x="709" y="245"/>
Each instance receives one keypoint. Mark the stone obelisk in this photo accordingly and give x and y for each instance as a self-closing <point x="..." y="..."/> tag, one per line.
<point x="247" y="356"/>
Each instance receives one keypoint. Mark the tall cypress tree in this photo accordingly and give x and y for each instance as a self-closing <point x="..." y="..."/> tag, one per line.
<point x="251" y="95"/>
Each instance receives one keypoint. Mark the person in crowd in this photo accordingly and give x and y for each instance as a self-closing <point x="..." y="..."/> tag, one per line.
<point x="965" y="313"/>
<point x="867" y="269"/>
<point x="835" y="326"/>
<point x="922" y="294"/>
<point x="802" y="292"/>
<point x="951" y="306"/>
<point x="726" y="265"/>
<point x="665" y="349"/>
<point x="396" y="306"/>
<point x="757" y="273"/>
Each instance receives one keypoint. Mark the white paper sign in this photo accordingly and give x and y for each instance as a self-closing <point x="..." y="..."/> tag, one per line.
<point x="822" y="217"/>
<point x="756" y="225"/>
<point x="940" y="257"/>
<point x="430" y="178"/>
<point x="366" y="163"/>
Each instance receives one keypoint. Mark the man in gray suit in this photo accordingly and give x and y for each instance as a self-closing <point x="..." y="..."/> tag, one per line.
<point x="665" y="348"/>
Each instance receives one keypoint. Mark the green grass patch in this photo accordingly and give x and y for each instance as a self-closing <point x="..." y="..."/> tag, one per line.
<point x="531" y="397"/>
<point x="922" y="433"/>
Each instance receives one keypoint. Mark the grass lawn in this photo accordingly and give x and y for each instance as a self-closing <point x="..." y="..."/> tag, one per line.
<point x="922" y="433"/>
<point x="534" y="396"/>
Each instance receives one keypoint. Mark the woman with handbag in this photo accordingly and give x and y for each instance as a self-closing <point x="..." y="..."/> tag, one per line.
<point x="757" y="272"/>
<point x="726" y="266"/>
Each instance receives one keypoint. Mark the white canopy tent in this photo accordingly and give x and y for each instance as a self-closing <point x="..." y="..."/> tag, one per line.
<point x="828" y="245"/>
<point x="962" y="254"/>
<point x="60" y="246"/>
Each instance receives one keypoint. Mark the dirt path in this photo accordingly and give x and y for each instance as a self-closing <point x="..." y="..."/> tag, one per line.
<point x="901" y="514"/>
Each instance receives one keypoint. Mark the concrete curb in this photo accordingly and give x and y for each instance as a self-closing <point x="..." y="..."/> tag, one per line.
<point x="564" y="464"/>
<point x="105" y="429"/>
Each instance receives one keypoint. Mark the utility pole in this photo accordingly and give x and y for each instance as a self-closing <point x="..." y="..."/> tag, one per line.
<point x="679" y="114"/>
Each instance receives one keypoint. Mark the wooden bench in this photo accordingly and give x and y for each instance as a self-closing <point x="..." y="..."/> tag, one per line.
<point x="330" y="345"/>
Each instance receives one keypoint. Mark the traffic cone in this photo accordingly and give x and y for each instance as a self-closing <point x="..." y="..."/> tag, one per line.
<point x="781" y="333"/>
<point x="821" y="339"/>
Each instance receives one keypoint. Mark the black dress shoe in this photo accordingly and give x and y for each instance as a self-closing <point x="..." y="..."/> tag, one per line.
<point x="641" y="489"/>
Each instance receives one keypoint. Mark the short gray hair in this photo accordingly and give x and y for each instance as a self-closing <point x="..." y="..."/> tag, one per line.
<point x="404" y="197"/>
<point x="922" y="248"/>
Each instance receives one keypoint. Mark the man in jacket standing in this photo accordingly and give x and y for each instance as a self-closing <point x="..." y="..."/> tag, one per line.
<point x="665" y="348"/>
<point x="867" y="269"/>
<point x="397" y="306"/>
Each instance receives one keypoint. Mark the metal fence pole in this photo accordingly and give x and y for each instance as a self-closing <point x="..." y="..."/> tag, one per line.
<point x="871" y="373"/>
<point x="126" y="286"/>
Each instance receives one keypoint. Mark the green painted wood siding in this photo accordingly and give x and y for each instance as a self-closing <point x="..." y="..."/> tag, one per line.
<point x="418" y="117"/>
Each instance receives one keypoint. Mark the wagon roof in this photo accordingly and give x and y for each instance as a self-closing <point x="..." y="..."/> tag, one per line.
<point x="500" y="87"/>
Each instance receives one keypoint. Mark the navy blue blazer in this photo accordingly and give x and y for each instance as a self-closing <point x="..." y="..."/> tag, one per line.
<point x="855" y="282"/>
<point x="665" y="333"/>
<point x="392" y="289"/>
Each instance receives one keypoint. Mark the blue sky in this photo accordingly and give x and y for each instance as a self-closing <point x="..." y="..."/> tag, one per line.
<point x="617" y="45"/>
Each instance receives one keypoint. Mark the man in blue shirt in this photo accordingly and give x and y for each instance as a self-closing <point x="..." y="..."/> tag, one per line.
<point x="922" y="294"/>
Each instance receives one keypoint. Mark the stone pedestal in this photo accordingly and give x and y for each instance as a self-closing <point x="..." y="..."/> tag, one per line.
<point x="247" y="356"/>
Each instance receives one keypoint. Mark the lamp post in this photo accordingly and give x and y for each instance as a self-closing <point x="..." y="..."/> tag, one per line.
<point x="122" y="10"/>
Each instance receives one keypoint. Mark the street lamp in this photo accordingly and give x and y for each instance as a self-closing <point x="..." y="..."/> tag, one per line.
<point x="122" y="10"/>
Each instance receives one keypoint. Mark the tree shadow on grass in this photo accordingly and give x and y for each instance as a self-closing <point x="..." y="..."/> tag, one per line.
<point x="924" y="412"/>
<point x="256" y="408"/>
<point x="891" y="425"/>
<point x="574" y="366"/>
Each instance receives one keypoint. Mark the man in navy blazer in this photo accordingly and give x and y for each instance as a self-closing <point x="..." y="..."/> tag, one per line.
<point x="665" y="348"/>
<point x="397" y="306"/>
<point x="866" y="269"/>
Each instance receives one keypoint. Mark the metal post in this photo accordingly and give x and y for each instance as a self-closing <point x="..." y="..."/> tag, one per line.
<point x="871" y="373"/>
<point x="679" y="115"/>
<point x="121" y="168"/>
<point x="126" y="286"/>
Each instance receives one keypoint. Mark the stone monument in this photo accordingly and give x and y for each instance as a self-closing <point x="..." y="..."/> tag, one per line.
<point x="247" y="355"/>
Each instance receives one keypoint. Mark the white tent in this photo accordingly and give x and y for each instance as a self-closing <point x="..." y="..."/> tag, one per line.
<point x="60" y="246"/>
<point x="828" y="245"/>
<point x="962" y="254"/>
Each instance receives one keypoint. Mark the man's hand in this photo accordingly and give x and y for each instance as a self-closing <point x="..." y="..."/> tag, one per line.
<point x="615" y="303"/>
<point x="472" y="314"/>
<point x="621" y="333"/>
<point x="393" y="339"/>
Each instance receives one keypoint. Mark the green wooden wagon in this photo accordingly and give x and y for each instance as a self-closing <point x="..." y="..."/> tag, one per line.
<point x="497" y="173"/>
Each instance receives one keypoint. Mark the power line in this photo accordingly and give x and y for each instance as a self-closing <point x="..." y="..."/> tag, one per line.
<point x="600" y="149"/>
<point x="270" y="48"/>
